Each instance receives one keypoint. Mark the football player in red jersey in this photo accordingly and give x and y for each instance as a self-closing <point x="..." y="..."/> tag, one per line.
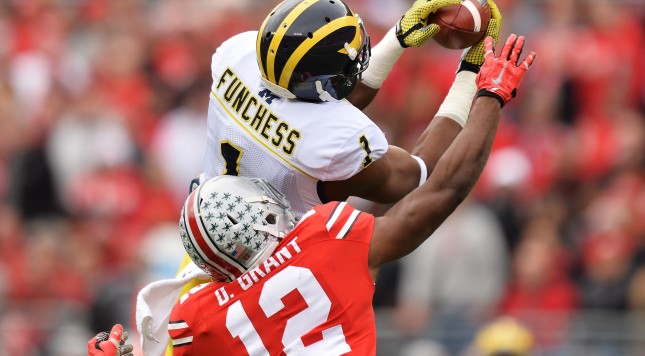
<point x="307" y="289"/>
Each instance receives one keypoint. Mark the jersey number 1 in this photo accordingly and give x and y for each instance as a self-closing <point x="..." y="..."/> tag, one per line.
<point x="232" y="156"/>
<point x="290" y="279"/>
<point x="366" y="147"/>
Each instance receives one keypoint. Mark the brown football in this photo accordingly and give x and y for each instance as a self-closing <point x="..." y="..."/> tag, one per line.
<point x="461" y="25"/>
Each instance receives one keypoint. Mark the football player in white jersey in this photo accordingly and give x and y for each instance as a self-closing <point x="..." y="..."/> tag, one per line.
<point x="285" y="104"/>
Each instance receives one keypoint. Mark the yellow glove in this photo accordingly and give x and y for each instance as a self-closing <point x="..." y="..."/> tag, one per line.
<point x="473" y="57"/>
<point x="411" y="30"/>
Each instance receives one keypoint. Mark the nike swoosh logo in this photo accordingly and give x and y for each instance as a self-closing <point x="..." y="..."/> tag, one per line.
<point x="499" y="78"/>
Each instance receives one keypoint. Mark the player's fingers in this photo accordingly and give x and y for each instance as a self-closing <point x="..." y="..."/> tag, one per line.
<point x="518" y="46"/>
<point x="494" y="11"/>
<point x="430" y="31"/>
<point x="493" y="29"/>
<point x="529" y="60"/>
<point x="438" y="4"/>
<point x="117" y="331"/>
<point x="506" y="51"/>
<point x="488" y="47"/>
<point x="124" y="337"/>
<point x="91" y="343"/>
<point x="126" y="350"/>
<point x="431" y="6"/>
<point x="116" y="334"/>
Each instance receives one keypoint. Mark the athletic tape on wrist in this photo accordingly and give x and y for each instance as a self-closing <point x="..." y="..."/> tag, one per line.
<point x="457" y="103"/>
<point x="384" y="56"/>
<point x="424" y="170"/>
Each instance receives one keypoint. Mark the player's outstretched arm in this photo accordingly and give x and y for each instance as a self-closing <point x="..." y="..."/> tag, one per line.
<point x="411" y="30"/>
<point x="404" y="227"/>
<point x="457" y="104"/>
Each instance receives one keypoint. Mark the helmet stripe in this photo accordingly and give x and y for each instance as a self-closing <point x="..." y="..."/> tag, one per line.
<point x="296" y="56"/>
<point x="259" y="39"/>
<point x="279" y="34"/>
<point x="355" y="44"/>
<point x="203" y="246"/>
<point x="198" y="250"/>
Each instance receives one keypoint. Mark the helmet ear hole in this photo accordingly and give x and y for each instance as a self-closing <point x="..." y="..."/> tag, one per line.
<point x="271" y="219"/>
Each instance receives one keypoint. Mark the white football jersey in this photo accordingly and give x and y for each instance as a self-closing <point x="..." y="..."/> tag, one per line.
<point x="293" y="144"/>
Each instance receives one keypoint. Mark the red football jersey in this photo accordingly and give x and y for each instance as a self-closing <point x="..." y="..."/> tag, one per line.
<point x="313" y="296"/>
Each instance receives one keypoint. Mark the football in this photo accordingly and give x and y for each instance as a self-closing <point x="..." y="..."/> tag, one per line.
<point x="462" y="25"/>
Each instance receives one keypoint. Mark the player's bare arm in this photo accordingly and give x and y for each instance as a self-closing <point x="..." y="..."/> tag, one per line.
<point x="396" y="174"/>
<point x="413" y="219"/>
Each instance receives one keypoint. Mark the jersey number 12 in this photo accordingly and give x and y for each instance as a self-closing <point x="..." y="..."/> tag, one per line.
<point x="290" y="279"/>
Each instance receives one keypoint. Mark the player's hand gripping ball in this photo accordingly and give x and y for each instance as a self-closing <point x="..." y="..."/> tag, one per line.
<point x="461" y="25"/>
<point x="473" y="57"/>
<point x="414" y="29"/>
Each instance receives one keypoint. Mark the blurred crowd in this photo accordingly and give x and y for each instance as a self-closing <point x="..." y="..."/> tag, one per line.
<point x="102" y="125"/>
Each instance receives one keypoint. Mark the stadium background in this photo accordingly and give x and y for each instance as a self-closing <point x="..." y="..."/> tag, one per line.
<point x="102" y="118"/>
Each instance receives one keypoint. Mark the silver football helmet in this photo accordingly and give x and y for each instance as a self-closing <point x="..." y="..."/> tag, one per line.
<point x="230" y="224"/>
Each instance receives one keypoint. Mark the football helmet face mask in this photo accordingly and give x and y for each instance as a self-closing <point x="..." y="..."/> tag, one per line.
<point x="312" y="50"/>
<point x="230" y="224"/>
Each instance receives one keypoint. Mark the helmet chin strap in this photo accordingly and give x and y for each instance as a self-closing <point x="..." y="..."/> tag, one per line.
<point x="261" y="199"/>
<point x="323" y="94"/>
<point x="270" y="230"/>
